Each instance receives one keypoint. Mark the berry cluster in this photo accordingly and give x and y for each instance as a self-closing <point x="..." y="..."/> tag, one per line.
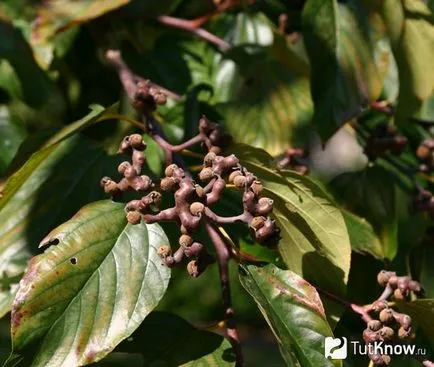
<point x="192" y="201"/>
<point x="384" y="139"/>
<point x="294" y="159"/>
<point x="390" y="325"/>
<point x="425" y="152"/>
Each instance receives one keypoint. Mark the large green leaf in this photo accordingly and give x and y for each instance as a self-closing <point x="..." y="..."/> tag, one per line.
<point x="314" y="234"/>
<point x="264" y="94"/>
<point x="372" y="194"/>
<point x="344" y="74"/>
<point x="362" y="236"/>
<point x="12" y="134"/>
<point x="166" y="339"/>
<point x="409" y="25"/>
<point x="91" y="288"/>
<point x="51" y="186"/>
<point x="293" y="310"/>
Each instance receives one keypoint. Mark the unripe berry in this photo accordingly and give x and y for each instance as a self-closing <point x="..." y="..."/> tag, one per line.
<point x="110" y="187"/>
<point x="197" y="208"/>
<point x="378" y="306"/>
<point x="257" y="222"/>
<point x="136" y="142"/>
<point x="383" y="277"/>
<point x="167" y="184"/>
<point x="170" y="169"/>
<point x="185" y="240"/>
<point x="206" y="174"/>
<point x="215" y="149"/>
<point x="398" y="295"/>
<point x="233" y="175"/>
<point x="123" y="166"/>
<point x="193" y="269"/>
<point x="134" y="217"/>
<point x="405" y="321"/>
<point x="239" y="181"/>
<point x="209" y="159"/>
<point x="386" y="316"/>
<point x="265" y="206"/>
<point x="374" y="325"/>
<point x="257" y="187"/>
<point x="386" y="333"/>
<point x="404" y="333"/>
<point x="160" y="98"/>
<point x="130" y="172"/>
<point x="163" y="251"/>
<point x="423" y="152"/>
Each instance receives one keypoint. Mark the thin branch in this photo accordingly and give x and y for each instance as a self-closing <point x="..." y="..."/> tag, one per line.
<point x="199" y="32"/>
<point x="223" y="257"/>
<point x="243" y="217"/>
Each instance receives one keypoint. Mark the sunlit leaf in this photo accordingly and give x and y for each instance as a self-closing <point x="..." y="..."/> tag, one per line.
<point x="293" y="310"/>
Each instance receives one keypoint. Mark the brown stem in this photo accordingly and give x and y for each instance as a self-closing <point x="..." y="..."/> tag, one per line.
<point x="427" y="363"/>
<point x="223" y="257"/>
<point x="126" y="76"/>
<point x="164" y="215"/>
<point x="244" y="217"/>
<point x="200" y="32"/>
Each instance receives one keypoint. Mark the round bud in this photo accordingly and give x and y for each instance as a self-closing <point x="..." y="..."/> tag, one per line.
<point x="209" y="159"/>
<point x="374" y="325"/>
<point x="136" y="141"/>
<point x="265" y="206"/>
<point x="415" y="286"/>
<point x="193" y="269"/>
<point x="130" y="172"/>
<point x="423" y="152"/>
<point x="206" y="174"/>
<point x="170" y="169"/>
<point x="123" y="166"/>
<point x="257" y="187"/>
<point x="200" y="192"/>
<point x="167" y="184"/>
<point x="398" y="295"/>
<point x="383" y="277"/>
<point x="197" y="208"/>
<point x="185" y="240"/>
<point x="257" y="222"/>
<point x="386" y="333"/>
<point x="163" y="251"/>
<point x="403" y="283"/>
<point x="369" y="336"/>
<point x="405" y="321"/>
<point x="386" y="316"/>
<point x="215" y="149"/>
<point x="378" y="306"/>
<point x="240" y="181"/>
<point x="134" y="217"/>
<point x="110" y="187"/>
<point x="160" y="98"/>
<point x="404" y="333"/>
<point x="183" y="230"/>
<point x="233" y="175"/>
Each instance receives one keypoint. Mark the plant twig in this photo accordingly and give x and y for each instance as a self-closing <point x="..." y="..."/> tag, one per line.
<point x="223" y="257"/>
<point x="199" y="32"/>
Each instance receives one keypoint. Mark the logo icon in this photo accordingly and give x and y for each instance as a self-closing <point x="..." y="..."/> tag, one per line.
<point x="336" y="348"/>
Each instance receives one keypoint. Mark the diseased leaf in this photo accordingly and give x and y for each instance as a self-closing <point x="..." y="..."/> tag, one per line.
<point x="362" y="236"/>
<point x="344" y="77"/>
<point x="294" y="311"/>
<point x="313" y="230"/>
<point x="162" y="332"/>
<point x="91" y="288"/>
<point x="50" y="187"/>
<point x="264" y="93"/>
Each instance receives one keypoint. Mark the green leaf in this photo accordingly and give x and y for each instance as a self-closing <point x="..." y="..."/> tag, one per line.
<point x="313" y="230"/>
<point x="264" y="94"/>
<point x="422" y="313"/>
<point x="50" y="187"/>
<point x="293" y="310"/>
<point x="60" y="15"/>
<point x="91" y="289"/>
<point x="372" y="194"/>
<point x="362" y="236"/>
<point x="344" y="75"/>
<point x="166" y="339"/>
<point x="410" y="28"/>
<point x="12" y="133"/>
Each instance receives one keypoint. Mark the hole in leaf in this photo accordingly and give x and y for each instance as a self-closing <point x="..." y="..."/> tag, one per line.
<point x="73" y="260"/>
<point x="53" y="242"/>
